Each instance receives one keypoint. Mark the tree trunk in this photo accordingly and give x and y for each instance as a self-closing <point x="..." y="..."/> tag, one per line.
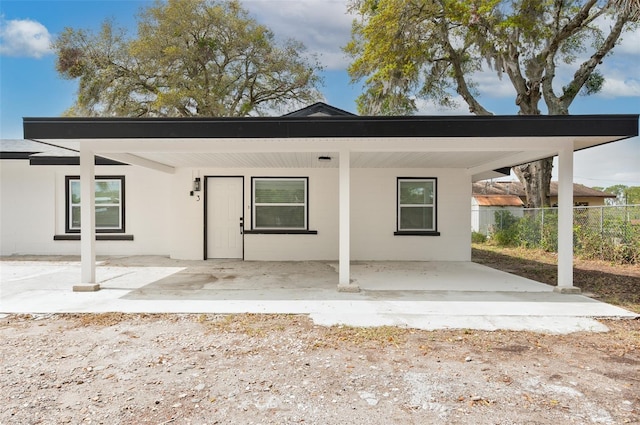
<point x="536" y="179"/>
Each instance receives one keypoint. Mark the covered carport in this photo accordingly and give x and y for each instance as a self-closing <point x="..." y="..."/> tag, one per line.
<point x="476" y="146"/>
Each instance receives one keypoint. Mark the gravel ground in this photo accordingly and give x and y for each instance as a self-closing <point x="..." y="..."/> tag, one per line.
<point x="280" y="369"/>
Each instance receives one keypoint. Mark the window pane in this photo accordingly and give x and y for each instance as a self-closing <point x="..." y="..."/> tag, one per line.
<point x="75" y="191"/>
<point x="108" y="217"/>
<point x="108" y="192"/>
<point x="280" y="217"/>
<point x="416" y="192"/>
<point x="279" y="192"/>
<point x="75" y="217"/>
<point x="416" y="218"/>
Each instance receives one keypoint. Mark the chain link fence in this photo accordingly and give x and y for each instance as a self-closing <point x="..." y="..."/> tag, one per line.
<point x="609" y="233"/>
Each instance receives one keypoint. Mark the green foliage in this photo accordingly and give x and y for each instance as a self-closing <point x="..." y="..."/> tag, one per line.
<point x="404" y="50"/>
<point x="477" y="237"/>
<point x="612" y="234"/>
<point x="624" y="195"/>
<point x="190" y="58"/>
<point x="508" y="234"/>
<point x="619" y="243"/>
<point x="633" y="195"/>
<point x="593" y="85"/>
<point x="507" y="237"/>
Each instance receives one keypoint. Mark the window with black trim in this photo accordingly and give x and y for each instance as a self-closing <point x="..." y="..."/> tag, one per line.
<point x="109" y="203"/>
<point x="280" y="203"/>
<point x="416" y="203"/>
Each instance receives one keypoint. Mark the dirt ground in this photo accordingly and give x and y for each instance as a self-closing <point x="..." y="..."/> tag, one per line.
<point x="278" y="369"/>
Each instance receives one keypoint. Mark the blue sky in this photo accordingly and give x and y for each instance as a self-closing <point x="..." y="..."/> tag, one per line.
<point x="30" y="86"/>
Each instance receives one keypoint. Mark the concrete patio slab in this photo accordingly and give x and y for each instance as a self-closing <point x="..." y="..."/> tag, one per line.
<point x="414" y="294"/>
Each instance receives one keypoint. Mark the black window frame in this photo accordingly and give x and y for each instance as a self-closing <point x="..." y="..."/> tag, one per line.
<point x="417" y="232"/>
<point x="67" y="204"/>
<point x="276" y="230"/>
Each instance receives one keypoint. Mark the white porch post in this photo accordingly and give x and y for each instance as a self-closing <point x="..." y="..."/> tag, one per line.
<point x="565" y="221"/>
<point x="344" y="265"/>
<point x="87" y="222"/>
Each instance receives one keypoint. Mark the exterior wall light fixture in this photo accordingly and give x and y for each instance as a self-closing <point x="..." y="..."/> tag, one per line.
<point x="196" y="187"/>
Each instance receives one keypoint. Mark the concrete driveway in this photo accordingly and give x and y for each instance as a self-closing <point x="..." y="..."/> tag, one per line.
<point x="424" y="295"/>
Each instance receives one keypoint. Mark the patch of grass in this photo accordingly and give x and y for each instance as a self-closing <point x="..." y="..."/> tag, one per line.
<point x="96" y="319"/>
<point x="382" y="336"/>
<point x="112" y="318"/>
<point x="253" y="325"/>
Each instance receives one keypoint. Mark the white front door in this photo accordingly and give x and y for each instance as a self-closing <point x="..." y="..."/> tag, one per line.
<point x="224" y="217"/>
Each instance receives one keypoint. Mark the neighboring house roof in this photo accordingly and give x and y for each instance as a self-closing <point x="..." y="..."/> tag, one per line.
<point x="516" y="188"/>
<point x="498" y="200"/>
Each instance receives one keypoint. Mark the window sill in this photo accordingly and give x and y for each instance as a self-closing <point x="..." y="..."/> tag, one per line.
<point x="281" y="232"/>
<point x="416" y="233"/>
<point x="99" y="237"/>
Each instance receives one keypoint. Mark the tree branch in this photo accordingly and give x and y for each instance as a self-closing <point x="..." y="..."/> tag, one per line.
<point x="587" y="67"/>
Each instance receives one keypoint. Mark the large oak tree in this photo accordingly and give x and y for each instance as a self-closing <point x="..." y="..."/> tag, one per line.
<point x="189" y="58"/>
<point x="432" y="49"/>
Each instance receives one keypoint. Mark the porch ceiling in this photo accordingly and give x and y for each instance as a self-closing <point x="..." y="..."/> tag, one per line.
<point x="311" y="159"/>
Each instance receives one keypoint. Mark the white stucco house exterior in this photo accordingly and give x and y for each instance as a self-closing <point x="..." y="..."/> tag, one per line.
<point x="317" y="184"/>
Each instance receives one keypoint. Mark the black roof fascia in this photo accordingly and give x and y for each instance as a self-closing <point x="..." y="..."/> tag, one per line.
<point x="16" y="155"/>
<point x="69" y="160"/>
<point x="333" y="127"/>
<point x="504" y="170"/>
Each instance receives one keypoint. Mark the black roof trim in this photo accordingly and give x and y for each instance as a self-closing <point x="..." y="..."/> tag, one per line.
<point x="504" y="170"/>
<point x="16" y="155"/>
<point x="69" y="160"/>
<point x="337" y="127"/>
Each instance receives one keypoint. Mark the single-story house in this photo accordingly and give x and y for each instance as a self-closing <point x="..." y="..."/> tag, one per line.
<point x="318" y="184"/>
<point x="583" y="196"/>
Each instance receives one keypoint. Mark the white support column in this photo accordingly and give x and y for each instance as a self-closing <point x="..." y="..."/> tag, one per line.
<point x="565" y="221"/>
<point x="344" y="276"/>
<point x="87" y="222"/>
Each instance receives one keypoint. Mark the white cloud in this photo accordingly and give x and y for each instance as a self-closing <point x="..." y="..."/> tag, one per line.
<point x="629" y="44"/>
<point x="322" y="25"/>
<point x="24" y="37"/>
<point x="428" y="107"/>
<point x="629" y="41"/>
<point x="491" y="86"/>
<point x="614" y="87"/>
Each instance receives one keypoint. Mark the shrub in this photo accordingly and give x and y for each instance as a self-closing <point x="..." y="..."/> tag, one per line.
<point x="508" y="235"/>
<point x="477" y="237"/>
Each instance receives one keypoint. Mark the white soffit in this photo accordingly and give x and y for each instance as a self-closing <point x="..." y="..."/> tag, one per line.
<point x="464" y="153"/>
<point x="463" y="160"/>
